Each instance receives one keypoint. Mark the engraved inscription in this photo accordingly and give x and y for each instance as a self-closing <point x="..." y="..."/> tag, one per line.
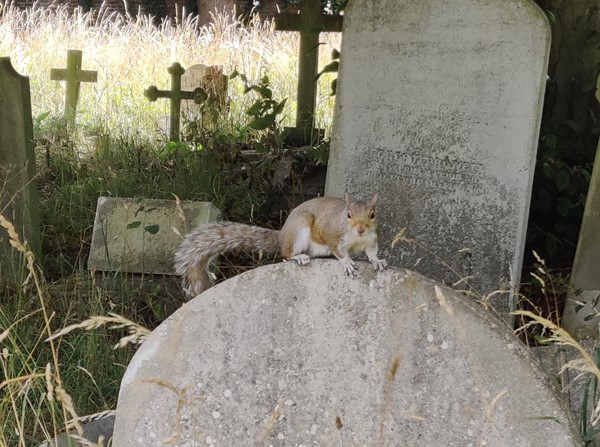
<point x="426" y="170"/>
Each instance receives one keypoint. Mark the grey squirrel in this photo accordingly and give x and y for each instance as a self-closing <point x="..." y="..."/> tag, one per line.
<point x="319" y="227"/>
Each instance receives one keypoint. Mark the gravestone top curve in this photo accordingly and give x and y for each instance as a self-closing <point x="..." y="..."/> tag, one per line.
<point x="289" y="355"/>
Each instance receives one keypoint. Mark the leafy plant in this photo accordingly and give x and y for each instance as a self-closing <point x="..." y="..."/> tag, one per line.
<point x="562" y="177"/>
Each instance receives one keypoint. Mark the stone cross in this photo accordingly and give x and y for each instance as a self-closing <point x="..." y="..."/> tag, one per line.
<point x="310" y="23"/>
<point x="18" y="193"/>
<point x="73" y="76"/>
<point x="438" y="109"/>
<point x="583" y="302"/>
<point x="176" y="95"/>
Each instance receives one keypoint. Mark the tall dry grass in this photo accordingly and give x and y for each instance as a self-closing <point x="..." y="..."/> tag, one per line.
<point x="130" y="54"/>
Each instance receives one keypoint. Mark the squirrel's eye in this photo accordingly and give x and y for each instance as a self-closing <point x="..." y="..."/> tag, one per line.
<point x="372" y="215"/>
<point x="349" y="215"/>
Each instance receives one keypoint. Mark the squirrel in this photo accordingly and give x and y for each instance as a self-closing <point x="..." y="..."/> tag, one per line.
<point x="319" y="227"/>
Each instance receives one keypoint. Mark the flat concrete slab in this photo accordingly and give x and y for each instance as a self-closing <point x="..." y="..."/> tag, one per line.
<point x="286" y="355"/>
<point x="142" y="235"/>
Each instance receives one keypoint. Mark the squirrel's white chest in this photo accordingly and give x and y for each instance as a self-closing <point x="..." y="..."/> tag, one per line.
<point x="354" y="243"/>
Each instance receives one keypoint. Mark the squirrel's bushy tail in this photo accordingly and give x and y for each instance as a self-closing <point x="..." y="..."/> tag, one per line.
<point x="206" y="241"/>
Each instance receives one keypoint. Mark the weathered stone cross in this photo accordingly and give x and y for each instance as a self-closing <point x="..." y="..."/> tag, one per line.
<point x="176" y="95"/>
<point x="310" y="23"/>
<point x="74" y="76"/>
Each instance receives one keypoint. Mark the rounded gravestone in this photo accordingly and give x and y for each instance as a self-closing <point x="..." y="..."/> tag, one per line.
<point x="286" y="355"/>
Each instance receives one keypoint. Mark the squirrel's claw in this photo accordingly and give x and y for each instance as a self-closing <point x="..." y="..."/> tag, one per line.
<point x="379" y="264"/>
<point x="301" y="259"/>
<point x="349" y="266"/>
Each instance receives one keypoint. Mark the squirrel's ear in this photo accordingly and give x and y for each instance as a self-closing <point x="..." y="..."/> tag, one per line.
<point x="373" y="201"/>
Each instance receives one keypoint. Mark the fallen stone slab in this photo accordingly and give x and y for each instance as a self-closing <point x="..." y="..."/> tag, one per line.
<point x="93" y="432"/>
<point x="141" y="235"/>
<point x="286" y="355"/>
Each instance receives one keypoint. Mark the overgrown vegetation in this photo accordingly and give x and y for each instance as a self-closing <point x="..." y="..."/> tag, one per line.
<point x="236" y="159"/>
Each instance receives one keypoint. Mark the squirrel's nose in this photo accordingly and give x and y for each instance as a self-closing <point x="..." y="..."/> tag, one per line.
<point x="360" y="230"/>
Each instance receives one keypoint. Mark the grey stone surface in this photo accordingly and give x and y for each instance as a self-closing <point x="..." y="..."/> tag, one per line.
<point x="142" y="235"/>
<point x="438" y="109"/>
<point x="18" y="194"/>
<point x="93" y="431"/>
<point x="286" y="355"/>
<point x="585" y="276"/>
<point x="190" y="80"/>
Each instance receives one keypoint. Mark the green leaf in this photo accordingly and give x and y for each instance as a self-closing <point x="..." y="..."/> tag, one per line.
<point x="254" y="109"/>
<point x="260" y="148"/>
<point x="551" y="16"/>
<point x="589" y="317"/>
<point x="548" y="170"/>
<point x="234" y="74"/>
<point x="134" y="224"/>
<point x="563" y="178"/>
<point x="265" y="92"/>
<point x="550" y="141"/>
<point x="329" y="68"/>
<point x="41" y="117"/>
<point x="152" y="229"/>
<point x="262" y="122"/>
<point x="279" y="107"/>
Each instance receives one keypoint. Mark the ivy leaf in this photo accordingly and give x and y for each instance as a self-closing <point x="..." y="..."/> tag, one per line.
<point x="152" y="229"/>
<point x="134" y="224"/>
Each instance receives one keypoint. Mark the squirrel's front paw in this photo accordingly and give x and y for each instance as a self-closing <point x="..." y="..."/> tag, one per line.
<point x="301" y="259"/>
<point x="350" y="267"/>
<point x="379" y="264"/>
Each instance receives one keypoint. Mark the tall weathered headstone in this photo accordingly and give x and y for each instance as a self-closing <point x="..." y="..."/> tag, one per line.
<point x="438" y="108"/>
<point x="18" y="195"/>
<point x="286" y="355"/>
<point x="583" y="303"/>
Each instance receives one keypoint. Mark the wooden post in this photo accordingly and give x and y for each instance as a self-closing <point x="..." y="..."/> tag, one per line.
<point x="73" y="76"/>
<point x="310" y="23"/>
<point x="176" y="95"/>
